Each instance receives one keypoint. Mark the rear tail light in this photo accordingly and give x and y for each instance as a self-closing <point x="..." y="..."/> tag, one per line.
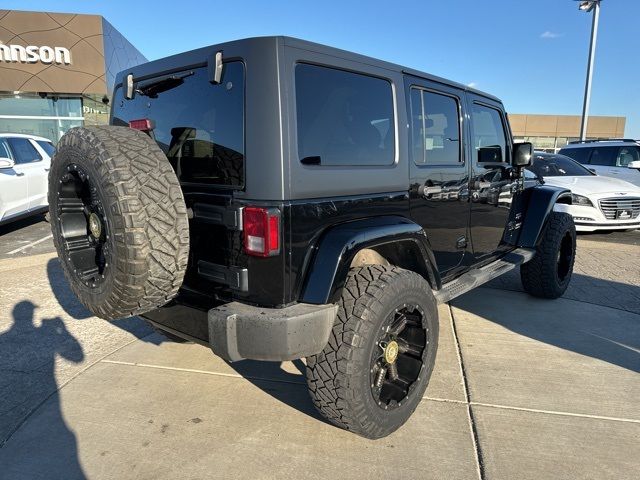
<point x="143" y="124"/>
<point x="261" y="227"/>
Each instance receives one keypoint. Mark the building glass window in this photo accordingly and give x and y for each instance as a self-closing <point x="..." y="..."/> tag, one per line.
<point x="48" y="117"/>
<point x="50" y="106"/>
<point x="49" y="129"/>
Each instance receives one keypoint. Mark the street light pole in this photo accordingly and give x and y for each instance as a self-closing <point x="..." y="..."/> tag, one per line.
<point x="588" y="6"/>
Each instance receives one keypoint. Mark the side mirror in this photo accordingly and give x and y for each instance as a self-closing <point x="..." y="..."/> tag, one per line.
<point x="522" y="153"/>
<point x="635" y="164"/>
<point x="6" y="163"/>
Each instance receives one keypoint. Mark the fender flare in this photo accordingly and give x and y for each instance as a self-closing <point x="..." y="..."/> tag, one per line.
<point x="338" y="246"/>
<point x="539" y="203"/>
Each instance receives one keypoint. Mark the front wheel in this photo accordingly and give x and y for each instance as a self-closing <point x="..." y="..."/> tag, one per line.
<point x="372" y="374"/>
<point x="548" y="274"/>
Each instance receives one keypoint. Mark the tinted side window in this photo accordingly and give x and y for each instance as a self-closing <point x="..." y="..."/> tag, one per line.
<point x="605" y="156"/>
<point x="580" y="155"/>
<point x="627" y="155"/>
<point x="23" y="151"/>
<point x="436" y="128"/>
<point x="488" y="132"/>
<point x="4" y="148"/>
<point x="47" y="147"/>
<point x="343" y="118"/>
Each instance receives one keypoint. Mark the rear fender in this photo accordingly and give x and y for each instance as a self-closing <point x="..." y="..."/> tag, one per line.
<point x="539" y="201"/>
<point x="399" y="240"/>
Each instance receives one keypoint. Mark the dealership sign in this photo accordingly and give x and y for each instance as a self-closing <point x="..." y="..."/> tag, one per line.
<point x="34" y="54"/>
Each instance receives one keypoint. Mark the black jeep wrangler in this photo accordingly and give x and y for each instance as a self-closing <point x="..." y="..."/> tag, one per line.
<point x="276" y="199"/>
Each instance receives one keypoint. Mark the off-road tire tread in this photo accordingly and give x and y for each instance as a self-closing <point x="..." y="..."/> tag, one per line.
<point x="538" y="275"/>
<point x="146" y="213"/>
<point x="333" y="373"/>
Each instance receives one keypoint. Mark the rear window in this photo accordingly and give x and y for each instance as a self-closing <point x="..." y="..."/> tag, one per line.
<point x="556" y="166"/>
<point x="47" y="147"/>
<point x="343" y="118"/>
<point x="198" y="125"/>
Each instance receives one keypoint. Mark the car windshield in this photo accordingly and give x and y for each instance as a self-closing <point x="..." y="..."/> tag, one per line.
<point x="556" y="166"/>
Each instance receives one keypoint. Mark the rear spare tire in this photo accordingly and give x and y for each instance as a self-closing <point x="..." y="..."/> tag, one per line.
<point x="119" y="220"/>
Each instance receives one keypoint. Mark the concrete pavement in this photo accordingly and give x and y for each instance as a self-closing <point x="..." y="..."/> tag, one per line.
<point x="523" y="388"/>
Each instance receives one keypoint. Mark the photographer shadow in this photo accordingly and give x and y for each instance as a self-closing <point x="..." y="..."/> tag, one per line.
<point x="29" y="355"/>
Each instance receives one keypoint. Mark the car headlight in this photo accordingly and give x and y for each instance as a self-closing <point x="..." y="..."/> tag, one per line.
<point x="581" y="200"/>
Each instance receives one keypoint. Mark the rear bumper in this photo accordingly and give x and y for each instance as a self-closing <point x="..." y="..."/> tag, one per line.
<point x="238" y="331"/>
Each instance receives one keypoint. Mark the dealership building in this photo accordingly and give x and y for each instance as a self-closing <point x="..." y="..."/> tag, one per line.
<point x="552" y="132"/>
<point x="57" y="70"/>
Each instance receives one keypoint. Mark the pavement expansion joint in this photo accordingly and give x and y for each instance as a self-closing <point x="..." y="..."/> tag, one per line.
<point x="472" y="425"/>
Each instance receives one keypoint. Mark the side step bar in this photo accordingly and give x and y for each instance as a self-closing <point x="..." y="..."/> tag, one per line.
<point x="478" y="276"/>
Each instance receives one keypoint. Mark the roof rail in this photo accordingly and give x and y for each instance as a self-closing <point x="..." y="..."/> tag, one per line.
<point x="605" y="140"/>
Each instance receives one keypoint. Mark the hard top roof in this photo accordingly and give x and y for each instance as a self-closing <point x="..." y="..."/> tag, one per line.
<point x="320" y="48"/>
<point x="186" y="58"/>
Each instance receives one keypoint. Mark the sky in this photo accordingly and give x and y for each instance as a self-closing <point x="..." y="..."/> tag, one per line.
<point x="530" y="53"/>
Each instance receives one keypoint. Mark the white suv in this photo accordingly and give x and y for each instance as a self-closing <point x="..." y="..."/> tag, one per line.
<point x="24" y="167"/>
<point x="609" y="158"/>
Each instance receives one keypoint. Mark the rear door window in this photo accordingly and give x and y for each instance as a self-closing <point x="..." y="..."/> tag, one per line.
<point x="436" y="128"/>
<point x="580" y="155"/>
<point x="23" y="150"/>
<point x="198" y="125"/>
<point x="604" y="156"/>
<point x="343" y="118"/>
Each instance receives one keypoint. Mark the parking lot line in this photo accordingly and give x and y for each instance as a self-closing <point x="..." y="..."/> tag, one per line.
<point x="533" y="410"/>
<point x="31" y="244"/>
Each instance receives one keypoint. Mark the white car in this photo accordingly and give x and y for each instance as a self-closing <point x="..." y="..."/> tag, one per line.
<point x="25" y="161"/>
<point x="599" y="203"/>
<point x="609" y="158"/>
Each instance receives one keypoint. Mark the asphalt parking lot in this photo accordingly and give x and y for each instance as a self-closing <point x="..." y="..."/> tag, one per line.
<point x="523" y="388"/>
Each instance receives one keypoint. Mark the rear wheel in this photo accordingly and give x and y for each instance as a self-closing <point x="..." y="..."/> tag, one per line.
<point x="118" y="219"/>
<point x="373" y="372"/>
<point x="548" y="274"/>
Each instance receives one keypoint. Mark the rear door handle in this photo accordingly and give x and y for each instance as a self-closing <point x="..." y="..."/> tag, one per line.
<point x="19" y="174"/>
<point x="47" y="169"/>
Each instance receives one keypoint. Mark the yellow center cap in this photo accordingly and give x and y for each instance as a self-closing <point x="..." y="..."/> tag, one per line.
<point x="94" y="225"/>
<point x="391" y="352"/>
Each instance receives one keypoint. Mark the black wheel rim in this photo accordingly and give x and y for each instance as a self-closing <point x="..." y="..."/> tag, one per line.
<point x="398" y="359"/>
<point x="83" y="226"/>
<point x="565" y="255"/>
